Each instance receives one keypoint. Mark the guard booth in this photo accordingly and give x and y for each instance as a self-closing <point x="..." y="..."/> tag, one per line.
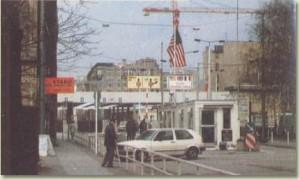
<point x="215" y="120"/>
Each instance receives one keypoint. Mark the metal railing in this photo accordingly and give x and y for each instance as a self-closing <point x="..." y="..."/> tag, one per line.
<point x="162" y="170"/>
<point x="148" y="167"/>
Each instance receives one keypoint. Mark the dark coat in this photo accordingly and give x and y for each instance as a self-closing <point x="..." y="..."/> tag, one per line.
<point x="110" y="138"/>
<point x="143" y="126"/>
<point x="131" y="126"/>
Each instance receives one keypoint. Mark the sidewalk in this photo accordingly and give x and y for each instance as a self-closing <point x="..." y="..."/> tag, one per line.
<point x="282" y="144"/>
<point x="74" y="160"/>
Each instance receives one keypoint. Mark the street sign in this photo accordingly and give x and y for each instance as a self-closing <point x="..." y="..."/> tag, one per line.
<point x="243" y="109"/>
<point x="143" y="82"/>
<point x="55" y="85"/>
<point x="180" y="82"/>
<point x="226" y="135"/>
<point x="250" y="127"/>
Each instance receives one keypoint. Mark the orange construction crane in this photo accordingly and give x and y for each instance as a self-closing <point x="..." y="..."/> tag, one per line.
<point x="176" y="11"/>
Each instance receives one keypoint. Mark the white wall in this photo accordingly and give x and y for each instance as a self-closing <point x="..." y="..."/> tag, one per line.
<point x="135" y="97"/>
<point x="218" y="113"/>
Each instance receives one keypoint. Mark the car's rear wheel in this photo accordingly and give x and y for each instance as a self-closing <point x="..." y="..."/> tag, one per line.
<point x="192" y="153"/>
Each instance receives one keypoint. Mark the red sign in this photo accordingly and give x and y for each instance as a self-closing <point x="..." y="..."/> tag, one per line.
<point x="55" y="85"/>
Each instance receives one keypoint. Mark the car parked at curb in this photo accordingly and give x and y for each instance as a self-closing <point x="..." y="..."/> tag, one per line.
<point x="171" y="141"/>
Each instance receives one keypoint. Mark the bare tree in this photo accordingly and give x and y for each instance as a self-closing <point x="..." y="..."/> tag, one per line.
<point x="276" y="62"/>
<point x="76" y="37"/>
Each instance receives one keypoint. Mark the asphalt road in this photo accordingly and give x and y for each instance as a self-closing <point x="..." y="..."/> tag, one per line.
<point x="268" y="162"/>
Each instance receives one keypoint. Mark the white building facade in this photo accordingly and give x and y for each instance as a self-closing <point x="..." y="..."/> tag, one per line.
<point x="215" y="120"/>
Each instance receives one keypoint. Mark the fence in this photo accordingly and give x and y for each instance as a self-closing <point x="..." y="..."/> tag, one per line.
<point x="149" y="167"/>
<point x="161" y="170"/>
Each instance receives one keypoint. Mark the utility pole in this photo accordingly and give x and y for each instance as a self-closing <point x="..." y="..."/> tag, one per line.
<point x="161" y="76"/>
<point x="209" y="73"/>
<point x="41" y="54"/>
<point x="161" y="80"/>
<point x="97" y="101"/>
<point x="198" y="83"/>
<point x="96" y="121"/>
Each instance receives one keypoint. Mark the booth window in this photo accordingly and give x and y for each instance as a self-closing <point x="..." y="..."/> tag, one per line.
<point x="226" y="118"/>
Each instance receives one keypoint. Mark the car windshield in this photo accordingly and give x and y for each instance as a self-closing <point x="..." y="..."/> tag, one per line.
<point x="147" y="135"/>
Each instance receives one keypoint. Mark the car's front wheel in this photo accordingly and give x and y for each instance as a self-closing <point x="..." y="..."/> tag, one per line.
<point x="192" y="153"/>
<point x="138" y="156"/>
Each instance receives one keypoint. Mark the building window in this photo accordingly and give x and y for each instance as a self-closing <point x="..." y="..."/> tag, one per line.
<point x="82" y="99"/>
<point x="208" y="117"/>
<point x="226" y="118"/>
<point x="104" y="100"/>
<point x="66" y="99"/>
<point x="120" y="99"/>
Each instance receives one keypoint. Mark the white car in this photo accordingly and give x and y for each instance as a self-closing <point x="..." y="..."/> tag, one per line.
<point x="171" y="141"/>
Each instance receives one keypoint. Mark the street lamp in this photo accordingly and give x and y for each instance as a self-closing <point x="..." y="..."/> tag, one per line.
<point x="209" y="63"/>
<point x="99" y="76"/>
<point x="192" y="52"/>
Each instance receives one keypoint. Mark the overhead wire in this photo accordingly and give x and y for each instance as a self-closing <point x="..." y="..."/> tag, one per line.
<point x="159" y="24"/>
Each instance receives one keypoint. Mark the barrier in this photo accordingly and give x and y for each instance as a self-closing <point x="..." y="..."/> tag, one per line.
<point x="162" y="170"/>
<point x="250" y="141"/>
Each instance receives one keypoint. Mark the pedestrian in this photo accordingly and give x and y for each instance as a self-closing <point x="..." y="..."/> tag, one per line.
<point x="71" y="127"/>
<point x="143" y="126"/>
<point x="110" y="141"/>
<point x="131" y="128"/>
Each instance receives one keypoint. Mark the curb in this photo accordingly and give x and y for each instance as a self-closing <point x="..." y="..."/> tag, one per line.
<point x="281" y="146"/>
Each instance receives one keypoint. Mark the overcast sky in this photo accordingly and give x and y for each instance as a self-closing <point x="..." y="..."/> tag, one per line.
<point x="127" y="38"/>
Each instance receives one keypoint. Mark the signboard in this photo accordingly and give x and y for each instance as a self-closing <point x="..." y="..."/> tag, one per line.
<point x="180" y="82"/>
<point x="226" y="135"/>
<point x="143" y="82"/>
<point x="243" y="107"/>
<point x="55" y="85"/>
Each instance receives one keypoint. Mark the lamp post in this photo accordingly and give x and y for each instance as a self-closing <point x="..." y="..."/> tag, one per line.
<point x="97" y="100"/>
<point x="209" y="64"/>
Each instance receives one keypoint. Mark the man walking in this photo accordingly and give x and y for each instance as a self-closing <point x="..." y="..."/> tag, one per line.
<point x="131" y="128"/>
<point x="110" y="139"/>
<point x="143" y="126"/>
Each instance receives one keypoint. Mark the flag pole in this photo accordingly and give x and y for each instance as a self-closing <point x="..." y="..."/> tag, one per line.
<point x="175" y="26"/>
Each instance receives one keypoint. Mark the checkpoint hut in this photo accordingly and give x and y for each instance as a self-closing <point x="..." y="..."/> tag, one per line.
<point x="215" y="120"/>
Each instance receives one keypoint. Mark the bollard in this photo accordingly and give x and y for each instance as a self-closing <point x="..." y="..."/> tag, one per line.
<point x="272" y="138"/>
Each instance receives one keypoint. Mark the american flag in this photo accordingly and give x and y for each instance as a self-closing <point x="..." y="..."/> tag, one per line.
<point x="176" y="51"/>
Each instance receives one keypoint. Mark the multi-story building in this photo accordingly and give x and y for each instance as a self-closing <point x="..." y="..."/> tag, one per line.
<point x="234" y="68"/>
<point x="113" y="77"/>
<point x="230" y="64"/>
